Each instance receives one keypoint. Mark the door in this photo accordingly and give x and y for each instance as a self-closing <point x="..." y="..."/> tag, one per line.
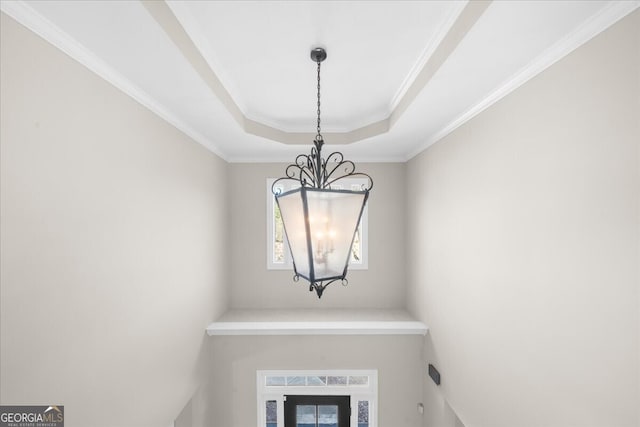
<point x="317" y="411"/>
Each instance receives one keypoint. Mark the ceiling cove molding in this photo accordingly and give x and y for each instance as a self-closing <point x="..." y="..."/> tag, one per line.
<point x="27" y="16"/>
<point x="471" y="13"/>
<point x="451" y="34"/>
<point x="191" y="28"/>
<point x="169" y="22"/>
<point x="274" y="134"/>
<point x="609" y="15"/>
<point x="164" y="17"/>
<point x="249" y="120"/>
<point x="326" y="128"/>
<point x="278" y="132"/>
<point x="286" y="158"/>
<point x="430" y="48"/>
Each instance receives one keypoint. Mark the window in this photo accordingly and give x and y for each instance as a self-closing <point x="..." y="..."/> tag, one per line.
<point x="271" y="407"/>
<point x="278" y="256"/>
<point x="360" y="385"/>
<point x="363" y="413"/>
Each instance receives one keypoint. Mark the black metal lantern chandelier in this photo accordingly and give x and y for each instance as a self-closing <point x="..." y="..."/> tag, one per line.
<point x="321" y="220"/>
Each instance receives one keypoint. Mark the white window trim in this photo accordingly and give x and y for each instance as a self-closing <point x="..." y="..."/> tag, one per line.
<point x="288" y="264"/>
<point x="357" y="392"/>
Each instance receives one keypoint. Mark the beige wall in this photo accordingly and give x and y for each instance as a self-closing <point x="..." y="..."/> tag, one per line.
<point x="397" y="358"/>
<point x="525" y="248"/>
<point x="253" y="286"/>
<point x="112" y="246"/>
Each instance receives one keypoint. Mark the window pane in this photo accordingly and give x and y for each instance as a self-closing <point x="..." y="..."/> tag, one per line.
<point x="272" y="413"/>
<point x="359" y="380"/>
<point x="363" y="413"/>
<point x="337" y="380"/>
<point x="316" y="381"/>
<point x="356" y="249"/>
<point x="295" y="381"/>
<point x="275" y="381"/>
<point x="305" y="415"/>
<point x="278" y="235"/>
<point x="328" y="415"/>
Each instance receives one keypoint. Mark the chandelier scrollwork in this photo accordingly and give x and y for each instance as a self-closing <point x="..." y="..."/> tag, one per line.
<point x="311" y="170"/>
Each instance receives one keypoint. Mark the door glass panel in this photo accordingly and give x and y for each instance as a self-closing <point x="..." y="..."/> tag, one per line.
<point x="306" y="416"/>
<point x="327" y="416"/>
<point x="272" y="413"/>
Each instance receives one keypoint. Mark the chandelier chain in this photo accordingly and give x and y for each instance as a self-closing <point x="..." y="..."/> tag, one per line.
<point x="318" y="136"/>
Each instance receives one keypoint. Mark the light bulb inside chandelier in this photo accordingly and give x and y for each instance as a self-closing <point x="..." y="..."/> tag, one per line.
<point x="321" y="220"/>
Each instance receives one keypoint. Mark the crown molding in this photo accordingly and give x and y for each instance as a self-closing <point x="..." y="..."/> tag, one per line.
<point x="427" y="52"/>
<point x="27" y="16"/>
<point x="200" y="42"/>
<point x="609" y="15"/>
<point x="284" y="158"/>
<point x="192" y="47"/>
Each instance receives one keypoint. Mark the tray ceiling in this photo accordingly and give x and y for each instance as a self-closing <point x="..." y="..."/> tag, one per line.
<point x="236" y="75"/>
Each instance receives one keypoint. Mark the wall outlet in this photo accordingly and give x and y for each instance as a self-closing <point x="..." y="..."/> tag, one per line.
<point x="420" y="408"/>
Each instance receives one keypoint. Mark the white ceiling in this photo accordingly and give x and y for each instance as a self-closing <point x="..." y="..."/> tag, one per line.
<point x="260" y="51"/>
<point x="236" y="75"/>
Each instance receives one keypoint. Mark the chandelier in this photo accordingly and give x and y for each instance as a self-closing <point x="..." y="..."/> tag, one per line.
<point x="320" y="218"/>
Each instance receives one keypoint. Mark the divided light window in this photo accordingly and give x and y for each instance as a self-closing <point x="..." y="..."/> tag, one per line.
<point x="360" y="385"/>
<point x="278" y="256"/>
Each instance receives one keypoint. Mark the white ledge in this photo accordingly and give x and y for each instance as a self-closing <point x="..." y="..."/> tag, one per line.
<point x="318" y="328"/>
<point x="317" y="322"/>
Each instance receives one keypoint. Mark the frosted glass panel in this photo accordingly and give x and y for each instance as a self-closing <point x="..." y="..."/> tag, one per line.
<point x="333" y="218"/>
<point x="359" y="380"/>
<point x="363" y="413"/>
<point x="272" y="413"/>
<point x="337" y="380"/>
<point x="316" y="381"/>
<point x="292" y="212"/>
<point x="275" y="381"/>
<point x="295" y="381"/>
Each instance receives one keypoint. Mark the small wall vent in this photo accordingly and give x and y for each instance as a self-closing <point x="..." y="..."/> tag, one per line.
<point x="434" y="374"/>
